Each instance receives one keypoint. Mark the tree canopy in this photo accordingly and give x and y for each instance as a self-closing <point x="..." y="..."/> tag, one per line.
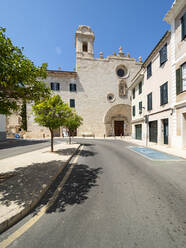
<point x="72" y="123"/>
<point x="20" y="79"/>
<point x="52" y="113"/>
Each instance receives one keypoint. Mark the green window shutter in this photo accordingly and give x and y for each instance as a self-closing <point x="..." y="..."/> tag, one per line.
<point x="163" y="54"/>
<point x="161" y="94"/>
<point x="178" y="81"/>
<point x="166" y="92"/>
<point x="133" y="111"/>
<point x="140" y="107"/>
<point x="183" y="22"/>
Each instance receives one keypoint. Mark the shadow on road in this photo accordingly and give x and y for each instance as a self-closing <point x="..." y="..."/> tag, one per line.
<point x="66" y="152"/>
<point x="9" y="143"/>
<point x="77" y="187"/>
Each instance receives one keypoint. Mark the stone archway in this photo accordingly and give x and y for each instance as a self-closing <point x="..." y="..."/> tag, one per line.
<point x="117" y="114"/>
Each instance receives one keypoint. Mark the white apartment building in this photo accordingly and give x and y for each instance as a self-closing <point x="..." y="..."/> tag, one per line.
<point x="159" y="88"/>
<point x="151" y="96"/>
<point x="176" y="17"/>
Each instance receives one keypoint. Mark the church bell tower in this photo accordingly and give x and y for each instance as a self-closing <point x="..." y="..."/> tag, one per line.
<point x="84" y="42"/>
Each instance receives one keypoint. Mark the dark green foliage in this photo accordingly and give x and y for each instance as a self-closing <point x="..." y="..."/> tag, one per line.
<point x="18" y="77"/>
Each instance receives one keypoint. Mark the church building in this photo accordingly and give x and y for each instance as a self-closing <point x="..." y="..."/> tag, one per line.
<point x="98" y="90"/>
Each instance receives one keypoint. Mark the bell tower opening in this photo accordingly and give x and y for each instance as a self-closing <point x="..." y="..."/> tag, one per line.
<point x="85" y="47"/>
<point x="84" y="41"/>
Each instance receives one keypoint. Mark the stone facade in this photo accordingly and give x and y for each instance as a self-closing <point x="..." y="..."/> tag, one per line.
<point x="102" y="97"/>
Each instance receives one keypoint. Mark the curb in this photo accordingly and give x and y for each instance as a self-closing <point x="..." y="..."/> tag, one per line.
<point x="14" y="219"/>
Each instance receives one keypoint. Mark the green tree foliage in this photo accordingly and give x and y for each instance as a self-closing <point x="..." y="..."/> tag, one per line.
<point x="72" y="123"/>
<point x="52" y="113"/>
<point x="18" y="77"/>
<point x="23" y="115"/>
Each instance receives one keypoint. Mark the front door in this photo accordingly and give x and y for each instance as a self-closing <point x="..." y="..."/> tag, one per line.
<point x="138" y="131"/>
<point x="165" y="131"/>
<point x="119" y="128"/>
<point x="153" y="131"/>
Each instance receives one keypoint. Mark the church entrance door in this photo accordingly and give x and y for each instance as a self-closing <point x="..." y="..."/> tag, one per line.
<point x="119" y="128"/>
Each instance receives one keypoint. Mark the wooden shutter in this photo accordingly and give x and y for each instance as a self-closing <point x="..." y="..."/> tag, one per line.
<point x="178" y="81"/>
<point x="161" y="94"/>
<point x="183" y="22"/>
<point x="133" y="111"/>
<point x="149" y="101"/>
<point x="140" y="107"/>
<point x="166" y="93"/>
<point x="163" y="54"/>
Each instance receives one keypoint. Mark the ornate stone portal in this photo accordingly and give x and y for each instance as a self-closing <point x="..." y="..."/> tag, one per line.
<point x="119" y="112"/>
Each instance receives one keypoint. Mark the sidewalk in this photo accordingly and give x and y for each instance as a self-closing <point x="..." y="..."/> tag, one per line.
<point x="179" y="153"/>
<point x="25" y="178"/>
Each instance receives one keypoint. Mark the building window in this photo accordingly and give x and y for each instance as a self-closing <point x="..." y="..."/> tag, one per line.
<point x="164" y="93"/>
<point x="73" y="87"/>
<point x="72" y="103"/>
<point x="55" y="86"/>
<point x="140" y="88"/>
<point x="110" y="97"/>
<point x="163" y="54"/>
<point x="149" y="101"/>
<point x="133" y="93"/>
<point x="133" y="111"/>
<point x="85" y="47"/>
<point x="181" y="79"/>
<point x="120" y="72"/>
<point x="140" y="107"/>
<point x="183" y="26"/>
<point x="149" y="70"/>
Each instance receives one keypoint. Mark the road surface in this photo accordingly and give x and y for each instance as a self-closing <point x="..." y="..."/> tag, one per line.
<point x="114" y="198"/>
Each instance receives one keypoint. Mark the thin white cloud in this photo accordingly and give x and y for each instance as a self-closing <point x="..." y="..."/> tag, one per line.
<point x="58" y="50"/>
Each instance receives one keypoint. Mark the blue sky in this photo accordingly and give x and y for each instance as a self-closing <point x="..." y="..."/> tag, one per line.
<point x="46" y="28"/>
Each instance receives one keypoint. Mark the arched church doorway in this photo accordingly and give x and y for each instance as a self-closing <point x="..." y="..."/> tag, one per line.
<point x="117" y="120"/>
<point x="119" y="128"/>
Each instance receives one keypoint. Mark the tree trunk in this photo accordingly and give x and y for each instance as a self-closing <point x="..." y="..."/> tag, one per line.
<point x="52" y="140"/>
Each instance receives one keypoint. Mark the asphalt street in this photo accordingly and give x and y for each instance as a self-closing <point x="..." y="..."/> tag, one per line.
<point x="114" y="198"/>
<point x="23" y="146"/>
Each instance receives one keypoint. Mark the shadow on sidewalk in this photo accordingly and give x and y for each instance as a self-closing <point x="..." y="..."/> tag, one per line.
<point x="77" y="187"/>
<point x="27" y="182"/>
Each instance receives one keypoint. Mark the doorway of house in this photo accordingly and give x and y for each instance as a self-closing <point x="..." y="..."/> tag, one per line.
<point x="165" y="131"/>
<point x="153" y="131"/>
<point x="119" y="128"/>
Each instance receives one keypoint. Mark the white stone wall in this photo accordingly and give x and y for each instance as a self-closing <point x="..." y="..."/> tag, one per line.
<point x="98" y="78"/>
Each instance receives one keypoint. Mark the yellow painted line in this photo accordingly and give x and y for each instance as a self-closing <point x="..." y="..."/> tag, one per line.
<point x="43" y="210"/>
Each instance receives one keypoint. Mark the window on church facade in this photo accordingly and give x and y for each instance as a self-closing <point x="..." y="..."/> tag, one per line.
<point x="73" y="87"/>
<point x="85" y="47"/>
<point x="72" y="103"/>
<point x="55" y="86"/>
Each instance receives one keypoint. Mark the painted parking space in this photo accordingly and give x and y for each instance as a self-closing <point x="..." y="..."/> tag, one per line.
<point x="154" y="155"/>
